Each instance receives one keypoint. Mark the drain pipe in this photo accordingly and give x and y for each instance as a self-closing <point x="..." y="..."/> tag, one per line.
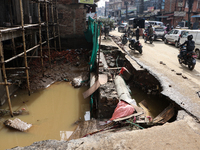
<point x="123" y="92"/>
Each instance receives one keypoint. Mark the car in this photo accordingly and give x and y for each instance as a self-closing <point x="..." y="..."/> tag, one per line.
<point x="123" y="27"/>
<point x="158" y="32"/>
<point x="174" y="36"/>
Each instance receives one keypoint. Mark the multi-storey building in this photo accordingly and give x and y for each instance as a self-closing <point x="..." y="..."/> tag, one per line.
<point x="176" y="11"/>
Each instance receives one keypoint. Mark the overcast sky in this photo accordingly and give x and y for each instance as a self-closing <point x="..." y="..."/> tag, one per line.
<point x="102" y="3"/>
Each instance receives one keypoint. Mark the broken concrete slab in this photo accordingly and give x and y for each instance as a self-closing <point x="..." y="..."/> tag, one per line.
<point x="17" y="124"/>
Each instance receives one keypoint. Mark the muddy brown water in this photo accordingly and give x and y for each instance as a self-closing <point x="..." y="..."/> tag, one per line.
<point x="52" y="112"/>
<point x="155" y="103"/>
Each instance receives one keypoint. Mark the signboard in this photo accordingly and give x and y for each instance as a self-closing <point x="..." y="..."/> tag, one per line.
<point x="86" y="1"/>
<point x="150" y="9"/>
<point x="130" y="10"/>
<point x="123" y="11"/>
<point x="180" y="4"/>
<point x="179" y="13"/>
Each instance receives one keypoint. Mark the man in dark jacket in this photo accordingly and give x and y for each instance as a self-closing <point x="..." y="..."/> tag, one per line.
<point x="190" y="45"/>
<point x="137" y="33"/>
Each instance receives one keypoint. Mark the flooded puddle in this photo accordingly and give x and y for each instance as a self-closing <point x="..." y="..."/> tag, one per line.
<point x="155" y="103"/>
<point x="52" y="112"/>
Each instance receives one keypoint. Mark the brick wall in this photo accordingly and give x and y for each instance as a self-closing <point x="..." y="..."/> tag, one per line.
<point x="72" y="21"/>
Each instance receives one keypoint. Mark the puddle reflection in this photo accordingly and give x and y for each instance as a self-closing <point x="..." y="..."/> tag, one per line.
<point x="52" y="112"/>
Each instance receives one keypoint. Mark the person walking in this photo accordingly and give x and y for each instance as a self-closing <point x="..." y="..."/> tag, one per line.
<point x="137" y="33"/>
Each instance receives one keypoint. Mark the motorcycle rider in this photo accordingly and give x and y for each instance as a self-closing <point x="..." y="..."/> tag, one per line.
<point x="150" y="32"/>
<point x="190" y="45"/>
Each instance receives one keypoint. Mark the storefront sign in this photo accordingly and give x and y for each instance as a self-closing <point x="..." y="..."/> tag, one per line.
<point x="150" y="9"/>
<point x="86" y="1"/>
<point x="180" y="13"/>
<point x="180" y="4"/>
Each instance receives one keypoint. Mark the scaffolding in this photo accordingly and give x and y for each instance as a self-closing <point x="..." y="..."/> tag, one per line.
<point x="51" y="12"/>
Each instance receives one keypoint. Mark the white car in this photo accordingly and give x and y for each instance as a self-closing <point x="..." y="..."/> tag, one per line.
<point x="174" y="36"/>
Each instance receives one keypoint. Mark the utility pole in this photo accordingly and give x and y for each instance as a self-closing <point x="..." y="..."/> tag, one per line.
<point x="190" y="4"/>
<point x="141" y="6"/>
<point x="126" y="3"/>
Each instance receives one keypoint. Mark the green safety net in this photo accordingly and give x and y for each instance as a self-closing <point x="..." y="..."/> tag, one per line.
<point x="92" y="35"/>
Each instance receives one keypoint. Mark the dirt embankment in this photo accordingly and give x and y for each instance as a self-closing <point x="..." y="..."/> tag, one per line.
<point x="65" y="66"/>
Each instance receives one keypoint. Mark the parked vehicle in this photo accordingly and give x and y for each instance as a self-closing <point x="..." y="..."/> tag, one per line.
<point x="123" y="27"/>
<point x="159" y="32"/>
<point x="135" y="45"/>
<point x="187" y="58"/>
<point x="150" y="38"/>
<point x="154" y="23"/>
<point x="124" y="38"/>
<point x="174" y="36"/>
<point x="131" y="26"/>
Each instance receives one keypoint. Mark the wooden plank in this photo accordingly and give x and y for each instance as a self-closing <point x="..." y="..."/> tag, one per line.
<point x="165" y="115"/>
<point x="127" y="117"/>
<point x="92" y="89"/>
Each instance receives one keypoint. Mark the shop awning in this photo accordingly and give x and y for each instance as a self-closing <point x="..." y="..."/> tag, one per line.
<point x="196" y="16"/>
<point x="162" y="16"/>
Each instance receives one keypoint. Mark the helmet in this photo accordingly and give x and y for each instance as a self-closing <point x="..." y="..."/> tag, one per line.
<point x="190" y="37"/>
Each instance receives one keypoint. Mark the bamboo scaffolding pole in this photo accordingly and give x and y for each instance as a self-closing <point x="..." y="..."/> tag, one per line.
<point x="24" y="43"/>
<point x="8" y="60"/>
<point x="54" y="31"/>
<point x="47" y="28"/>
<point x="20" y="27"/>
<point x="14" y="48"/>
<point x="3" y="83"/>
<point x="5" y="77"/>
<point x="17" y="68"/>
<point x="10" y="10"/>
<point x="40" y="35"/>
<point x="58" y="26"/>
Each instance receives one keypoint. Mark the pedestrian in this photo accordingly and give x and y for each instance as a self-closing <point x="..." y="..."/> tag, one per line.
<point x="168" y="28"/>
<point x="137" y="33"/>
<point x="191" y="26"/>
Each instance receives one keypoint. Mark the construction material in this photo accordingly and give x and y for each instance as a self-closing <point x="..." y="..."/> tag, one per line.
<point x="124" y="94"/>
<point x="165" y="115"/>
<point x="17" y="124"/>
<point x="122" y="110"/>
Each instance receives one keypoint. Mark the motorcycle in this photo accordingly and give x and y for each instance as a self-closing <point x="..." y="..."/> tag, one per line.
<point x="150" y="38"/>
<point x="187" y="58"/>
<point x="124" y="38"/>
<point x="135" y="45"/>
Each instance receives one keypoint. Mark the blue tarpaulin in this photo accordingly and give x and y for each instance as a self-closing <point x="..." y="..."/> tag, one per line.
<point x="196" y="16"/>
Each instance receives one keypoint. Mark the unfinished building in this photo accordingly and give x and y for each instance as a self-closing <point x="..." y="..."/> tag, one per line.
<point x="30" y="27"/>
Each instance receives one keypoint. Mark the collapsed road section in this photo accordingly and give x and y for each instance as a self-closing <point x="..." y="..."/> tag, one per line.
<point x="113" y="100"/>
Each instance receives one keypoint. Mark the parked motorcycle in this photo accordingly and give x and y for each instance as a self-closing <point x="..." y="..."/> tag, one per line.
<point x="150" y="38"/>
<point x="124" y="38"/>
<point x="135" y="45"/>
<point x="187" y="58"/>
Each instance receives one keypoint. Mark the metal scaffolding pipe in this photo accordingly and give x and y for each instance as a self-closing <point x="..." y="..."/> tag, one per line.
<point x="5" y="77"/>
<point x="24" y="44"/>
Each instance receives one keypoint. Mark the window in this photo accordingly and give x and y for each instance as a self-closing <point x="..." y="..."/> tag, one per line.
<point x="170" y="32"/>
<point x="175" y="32"/>
<point x="184" y="34"/>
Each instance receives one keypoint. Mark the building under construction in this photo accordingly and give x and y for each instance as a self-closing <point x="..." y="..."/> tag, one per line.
<point x="30" y="27"/>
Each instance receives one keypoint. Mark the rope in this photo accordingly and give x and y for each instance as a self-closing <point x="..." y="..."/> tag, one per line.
<point x="134" y="124"/>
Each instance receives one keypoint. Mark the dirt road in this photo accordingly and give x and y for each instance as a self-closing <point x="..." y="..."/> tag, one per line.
<point x="179" y="83"/>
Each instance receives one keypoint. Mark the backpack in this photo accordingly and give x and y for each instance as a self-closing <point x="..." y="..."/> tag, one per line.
<point x="190" y="45"/>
